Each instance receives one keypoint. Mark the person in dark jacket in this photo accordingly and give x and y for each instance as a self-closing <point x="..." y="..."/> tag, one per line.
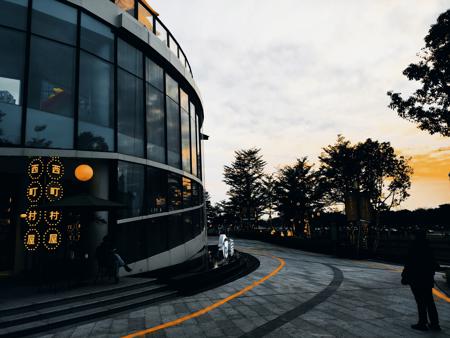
<point x="419" y="274"/>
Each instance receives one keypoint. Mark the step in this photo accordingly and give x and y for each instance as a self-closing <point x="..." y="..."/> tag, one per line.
<point x="77" y="295"/>
<point x="79" y="305"/>
<point x="37" y="326"/>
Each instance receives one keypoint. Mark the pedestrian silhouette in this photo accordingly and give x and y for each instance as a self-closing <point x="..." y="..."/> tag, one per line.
<point x="418" y="273"/>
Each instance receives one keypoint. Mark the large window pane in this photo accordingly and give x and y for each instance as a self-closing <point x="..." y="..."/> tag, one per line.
<point x="185" y="141"/>
<point x="13" y="13"/>
<point x="199" y="148"/>
<point x="193" y="141"/>
<point x="55" y="20"/>
<point x="156" y="235"/>
<point x="130" y="188"/>
<point x="173" y="134"/>
<point x="130" y="115"/>
<point x="156" y="135"/>
<point x="96" y="104"/>
<point x="157" y="190"/>
<point x="50" y="96"/>
<point x="155" y="74"/>
<point x="175" y="231"/>
<point x="173" y="192"/>
<point x="196" y="190"/>
<point x="12" y="53"/>
<point x="129" y="58"/>
<point x="172" y="88"/>
<point x="97" y="38"/>
<point x="187" y="192"/>
<point x="188" y="226"/>
<point x="184" y="100"/>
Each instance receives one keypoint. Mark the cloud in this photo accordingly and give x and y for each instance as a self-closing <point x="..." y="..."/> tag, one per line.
<point x="288" y="76"/>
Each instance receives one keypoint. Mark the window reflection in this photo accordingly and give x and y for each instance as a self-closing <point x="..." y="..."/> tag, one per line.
<point x="130" y="188"/>
<point x="130" y="114"/>
<point x="50" y="96"/>
<point x="193" y="140"/>
<point x="188" y="227"/>
<point x="129" y="58"/>
<point x="54" y="20"/>
<point x="185" y="142"/>
<point x="175" y="230"/>
<point x="173" y="192"/>
<point x="97" y="38"/>
<point x="156" y="136"/>
<point x="173" y="134"/>
<point x="172" y="88"/>
<point x="187" y="192"/>
<point x="96" y="104"/>
<point x="154" y="74"/>
<point x="157" y="190"/>
<point x="13" y="13"/>
<point x="12" y="47"/>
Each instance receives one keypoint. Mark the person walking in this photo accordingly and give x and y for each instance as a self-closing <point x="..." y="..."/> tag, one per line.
<point x="418" y="273"/>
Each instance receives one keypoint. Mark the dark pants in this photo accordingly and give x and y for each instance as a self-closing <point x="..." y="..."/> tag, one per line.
<point x="425" y="304"/>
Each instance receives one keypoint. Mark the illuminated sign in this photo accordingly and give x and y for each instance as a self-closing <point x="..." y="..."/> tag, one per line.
<point x="33" y="216"/>
<point x="52" y="239"/>
<point x="74" y="232"/>
<point x="54" y="191"/>
<point x="31" y="239"/>
<point x="35" y="168"/>
<point x="34" y="192"/>
<point x="55" y="169"/>
<point x="53" y="217"/>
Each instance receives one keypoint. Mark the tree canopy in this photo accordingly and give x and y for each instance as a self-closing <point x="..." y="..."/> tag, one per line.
<point x="246" y="189"/>
<point x="429" y="106"/>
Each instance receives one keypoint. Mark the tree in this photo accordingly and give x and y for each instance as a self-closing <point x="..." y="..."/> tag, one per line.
<point x="245" y="180"/>
<point x="269" y="185"/>
<point x="371" y="168"/>
<point x="429" y="106"/>
<point x="298" y="193"/>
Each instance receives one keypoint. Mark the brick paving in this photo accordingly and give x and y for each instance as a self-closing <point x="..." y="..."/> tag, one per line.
<point x="366" y="301"/>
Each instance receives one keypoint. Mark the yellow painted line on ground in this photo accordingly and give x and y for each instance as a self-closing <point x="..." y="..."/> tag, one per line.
<point x="210" y="307"/>
<point x="441" y="295"/>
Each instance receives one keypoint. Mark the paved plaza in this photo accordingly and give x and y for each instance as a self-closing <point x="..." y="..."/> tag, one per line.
<point x="292" y="294"/>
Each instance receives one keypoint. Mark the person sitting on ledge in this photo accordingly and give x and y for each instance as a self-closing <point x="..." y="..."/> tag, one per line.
<point x="109" y="260"/>
<point x="419" y="274"/>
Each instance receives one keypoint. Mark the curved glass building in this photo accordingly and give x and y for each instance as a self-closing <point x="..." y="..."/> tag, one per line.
<point x="102" y="83"/>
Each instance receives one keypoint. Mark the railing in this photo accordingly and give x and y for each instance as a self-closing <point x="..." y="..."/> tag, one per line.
<point x="142" y="11"/>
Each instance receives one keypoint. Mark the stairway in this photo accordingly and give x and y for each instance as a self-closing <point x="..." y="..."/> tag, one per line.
<point x="42" y="316"/>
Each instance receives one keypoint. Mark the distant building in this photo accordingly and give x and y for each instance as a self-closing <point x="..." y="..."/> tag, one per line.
<point x="103" y="83"/>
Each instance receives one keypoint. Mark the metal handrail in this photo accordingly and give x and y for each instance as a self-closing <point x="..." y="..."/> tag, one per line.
<point x="169" y="36"/>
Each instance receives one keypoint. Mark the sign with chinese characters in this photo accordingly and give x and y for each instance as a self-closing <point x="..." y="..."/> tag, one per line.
<point x="74" y="232"/>
<point x="45" y="176"/>
<point x="31" y="239"/>
<point x="34" y="192"/>
<point x="55" y="169"/>
<point x="52" y="239"/>
<point x="54" y="191"/>
<point x="53" y="217"/>
<point x="33" y="216"/>
<point x="35" y="168"/>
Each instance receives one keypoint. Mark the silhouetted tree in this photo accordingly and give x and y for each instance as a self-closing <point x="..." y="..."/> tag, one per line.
<point x="87" y="140"/>
<point x="298" y="193"/>
<point x="369" y="167"/>
<point x="429" y="106"/>
<point x="245" y="180"/>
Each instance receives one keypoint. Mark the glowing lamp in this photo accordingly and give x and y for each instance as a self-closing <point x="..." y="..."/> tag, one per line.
<point x="84" y="172"/>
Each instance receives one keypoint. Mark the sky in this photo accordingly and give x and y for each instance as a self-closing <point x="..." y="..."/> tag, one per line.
<point x="288" y="76"/>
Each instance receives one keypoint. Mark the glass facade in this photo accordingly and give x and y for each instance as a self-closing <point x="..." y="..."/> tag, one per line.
<point x="86" y="87"/>
<point x="12" y="43"/>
